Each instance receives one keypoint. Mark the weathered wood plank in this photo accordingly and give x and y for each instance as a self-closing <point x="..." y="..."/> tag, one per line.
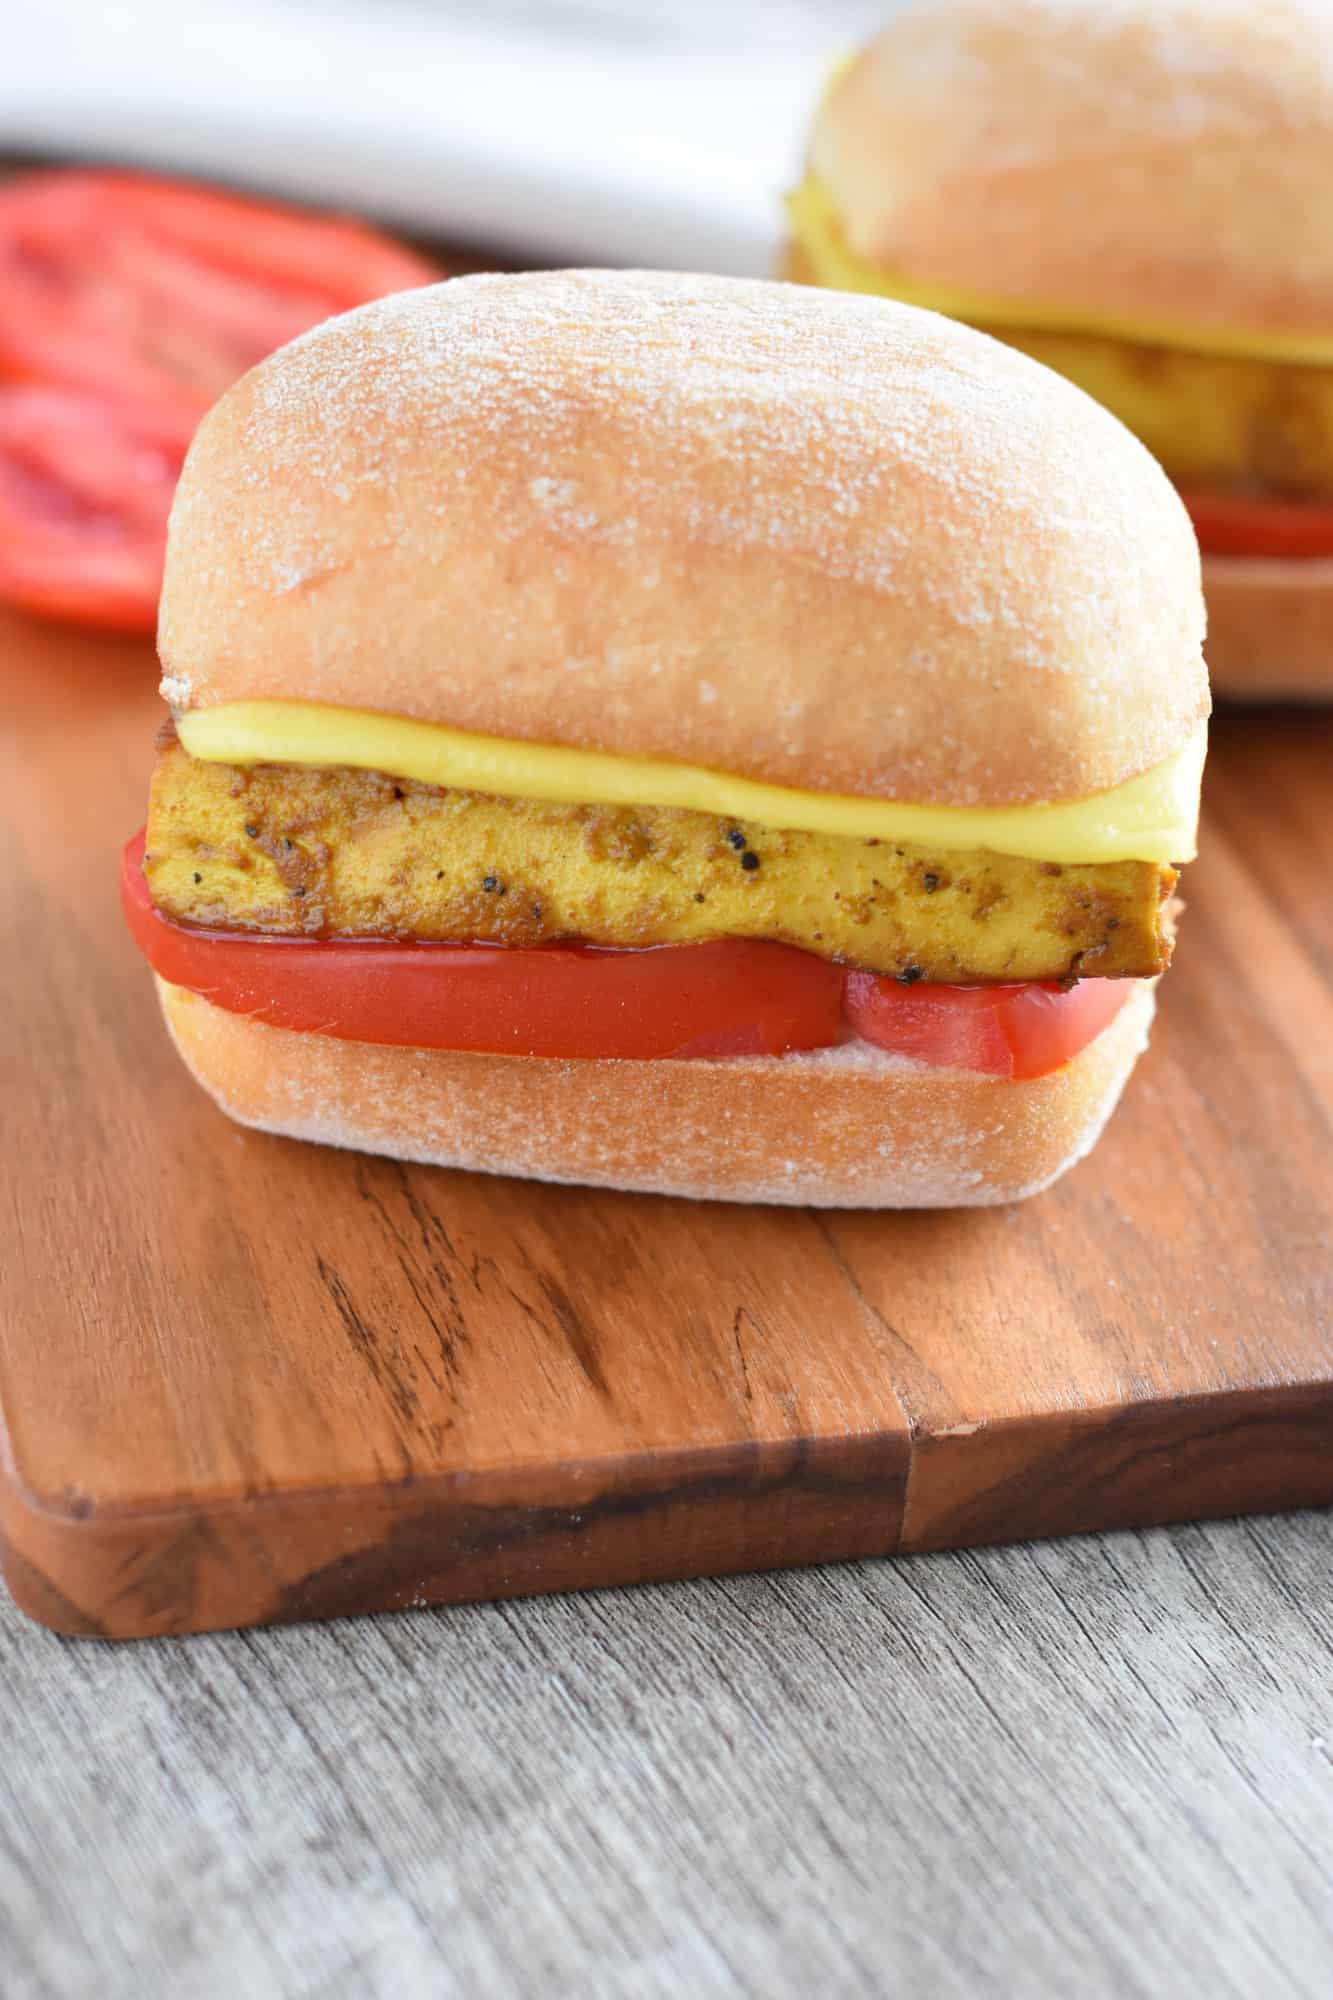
<point x="1101" y="1766"/>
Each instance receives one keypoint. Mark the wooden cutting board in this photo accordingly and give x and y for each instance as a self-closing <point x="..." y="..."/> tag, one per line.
<point x="243" y="1379"/>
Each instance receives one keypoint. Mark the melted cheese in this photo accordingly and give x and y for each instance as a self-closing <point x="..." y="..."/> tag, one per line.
<point x="1151" y="818"/>
<point x="835" y="264"/>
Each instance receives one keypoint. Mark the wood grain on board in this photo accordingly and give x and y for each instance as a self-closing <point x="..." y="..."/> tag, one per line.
<point x="245" y="1380"/>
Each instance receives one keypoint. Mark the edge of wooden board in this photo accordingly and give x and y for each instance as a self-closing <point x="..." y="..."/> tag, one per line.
<point x="182" y="1567"/>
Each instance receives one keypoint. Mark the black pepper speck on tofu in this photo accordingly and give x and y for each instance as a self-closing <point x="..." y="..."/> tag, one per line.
<point x="277" y="848"/>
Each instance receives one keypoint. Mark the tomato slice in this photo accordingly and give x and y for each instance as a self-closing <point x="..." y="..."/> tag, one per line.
<point x="729" y="998"/>
<point x="732" y="997"/>
<point x="85" y="489"/>
<point x="155" y="290"/>
<point x="127" y="305"/>
<point x="1018" y="1031"/>
<point x="1231" y="526"/>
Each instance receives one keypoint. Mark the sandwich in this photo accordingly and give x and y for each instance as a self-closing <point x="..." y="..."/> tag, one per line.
<point x="1135" y="195"/>
<point x="682" y="734"/>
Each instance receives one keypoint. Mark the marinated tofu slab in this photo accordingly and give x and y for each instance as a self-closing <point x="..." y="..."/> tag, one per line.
<point x="280" y="848"/>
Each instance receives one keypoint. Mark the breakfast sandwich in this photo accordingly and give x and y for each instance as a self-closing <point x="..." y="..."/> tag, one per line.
<point x="1136" y="195"/>
<point x="673" y="733"/>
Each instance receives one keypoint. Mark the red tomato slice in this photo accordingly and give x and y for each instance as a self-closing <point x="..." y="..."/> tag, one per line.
<point x="733" y="997"/>
<point x="152" y="289"/>
<point x="1230" y="526"/>
<point x="1015" y="1031"/>
<point x="85" y="488"/>
<point x="131" y="304"/>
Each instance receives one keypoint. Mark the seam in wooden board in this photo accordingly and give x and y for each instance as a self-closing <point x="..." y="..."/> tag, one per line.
<point x="1306" y="1397"/>
<point x="544" y="1517"/>
<point x="625" y="1468"/>
<point x="1107" y="1418"/>
<point x="622" y="1495"/>
<point x="800" y="1447"/>
<point x="1117" y="1430"/>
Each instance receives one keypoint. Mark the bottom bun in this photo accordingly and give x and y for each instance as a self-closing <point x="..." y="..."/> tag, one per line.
<point x="839" y="1128"/>
<point x="1270" y="628"/>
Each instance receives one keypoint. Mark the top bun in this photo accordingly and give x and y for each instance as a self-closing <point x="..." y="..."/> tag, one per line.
<point x="813" y="539"/>
<point x="1169" y="159"/>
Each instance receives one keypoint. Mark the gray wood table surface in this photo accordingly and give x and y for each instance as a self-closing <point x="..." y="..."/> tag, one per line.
<point x="1092" y="1767"/>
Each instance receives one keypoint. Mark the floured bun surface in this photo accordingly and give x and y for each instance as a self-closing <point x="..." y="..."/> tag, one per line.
<point x="825" y="541"/>
<point x="1165" y="159"/>
<point x="844" y="1128"/>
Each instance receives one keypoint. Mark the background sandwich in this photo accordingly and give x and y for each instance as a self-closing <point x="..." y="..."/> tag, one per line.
<point x="675" y="733"/>
<point x="1136" y="195"/>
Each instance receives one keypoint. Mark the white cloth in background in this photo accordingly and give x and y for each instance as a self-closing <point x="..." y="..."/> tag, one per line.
<point x="637" y="132"/>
